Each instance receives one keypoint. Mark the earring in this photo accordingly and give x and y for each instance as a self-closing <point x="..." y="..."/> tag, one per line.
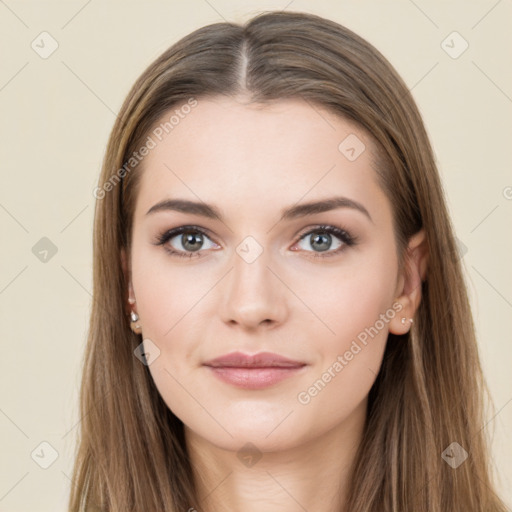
<point x="405" y="320"/>
<point x="135" y="326"/>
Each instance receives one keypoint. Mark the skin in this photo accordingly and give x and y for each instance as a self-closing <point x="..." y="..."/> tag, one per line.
<point x="251" y="162"/>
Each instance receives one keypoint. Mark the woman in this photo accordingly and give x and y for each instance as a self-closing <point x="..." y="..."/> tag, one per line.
<point x="280" y="320"/>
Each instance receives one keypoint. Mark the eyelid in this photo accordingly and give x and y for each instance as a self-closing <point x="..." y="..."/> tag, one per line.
<point x="329" y="228"/>
<point x="343" y="235"/>
<point x="173" y="232"/>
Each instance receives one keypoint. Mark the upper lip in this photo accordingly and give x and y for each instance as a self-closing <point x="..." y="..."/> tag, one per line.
<point x="262" y="359"/>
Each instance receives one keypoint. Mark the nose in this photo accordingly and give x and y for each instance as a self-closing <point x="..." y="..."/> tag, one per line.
<point x="252" y="294"/>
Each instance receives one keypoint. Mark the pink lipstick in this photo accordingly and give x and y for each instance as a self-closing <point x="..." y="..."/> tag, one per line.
<point x="256" y="371"/>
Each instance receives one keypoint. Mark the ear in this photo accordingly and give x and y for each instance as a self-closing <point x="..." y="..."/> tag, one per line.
<point x="408" y="291"/>
<point x="127" y="273"/>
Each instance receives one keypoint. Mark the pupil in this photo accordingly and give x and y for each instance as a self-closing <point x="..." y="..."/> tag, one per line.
<point x="192" y="241"/>
<point x="322" y="242"/>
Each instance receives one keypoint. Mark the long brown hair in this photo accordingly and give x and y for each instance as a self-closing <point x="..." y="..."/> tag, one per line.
<point x="429" y="392"/>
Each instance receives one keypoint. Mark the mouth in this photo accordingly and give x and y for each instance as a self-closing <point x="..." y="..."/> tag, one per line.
<point x="254" y="371"/>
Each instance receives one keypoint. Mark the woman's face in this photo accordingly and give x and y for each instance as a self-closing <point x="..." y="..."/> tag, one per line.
<point x="263" y="276"/>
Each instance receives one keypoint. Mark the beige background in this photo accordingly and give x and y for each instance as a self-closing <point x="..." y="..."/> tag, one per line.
<point x="56" y="117"/>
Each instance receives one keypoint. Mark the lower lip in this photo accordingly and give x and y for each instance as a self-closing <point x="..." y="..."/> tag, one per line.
<point x="254" y="378"/>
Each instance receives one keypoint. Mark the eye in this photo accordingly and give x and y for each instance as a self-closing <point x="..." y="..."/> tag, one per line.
<point x="185" y="241"/>
<point x="189" y="241"/>
<point x="322" y="239"/>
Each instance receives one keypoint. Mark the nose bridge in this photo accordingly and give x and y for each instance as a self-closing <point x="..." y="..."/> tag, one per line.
<point x="253" y="294"/>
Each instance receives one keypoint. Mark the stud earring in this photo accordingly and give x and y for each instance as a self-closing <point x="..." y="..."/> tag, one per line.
<point x="405" y="320"/>
<point x="135" y="326"/>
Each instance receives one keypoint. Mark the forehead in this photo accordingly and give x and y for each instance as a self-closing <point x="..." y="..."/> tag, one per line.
<point x="232" y="153"/>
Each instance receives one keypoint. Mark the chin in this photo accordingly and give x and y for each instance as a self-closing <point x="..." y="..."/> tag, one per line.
<point x="247" y="437"/>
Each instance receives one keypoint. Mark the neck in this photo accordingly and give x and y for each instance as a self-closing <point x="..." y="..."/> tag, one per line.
<point x="311" y="476"/>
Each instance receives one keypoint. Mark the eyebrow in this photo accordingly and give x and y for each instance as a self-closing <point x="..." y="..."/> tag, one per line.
<point x="293" y="212"/>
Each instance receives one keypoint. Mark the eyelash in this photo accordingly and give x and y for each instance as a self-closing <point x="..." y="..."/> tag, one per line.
<point x="347" y="239"/>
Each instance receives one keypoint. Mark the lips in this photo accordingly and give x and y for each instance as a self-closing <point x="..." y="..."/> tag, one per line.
<point x="252" y="372"/>
<point x="261" y="360"/>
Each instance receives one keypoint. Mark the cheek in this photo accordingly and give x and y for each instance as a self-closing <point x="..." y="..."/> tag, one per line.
<point x="355" y="306"/>
<point x="350" y="301"/>
<point x="166" y="293"/>
<point x="358" y="309"/>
